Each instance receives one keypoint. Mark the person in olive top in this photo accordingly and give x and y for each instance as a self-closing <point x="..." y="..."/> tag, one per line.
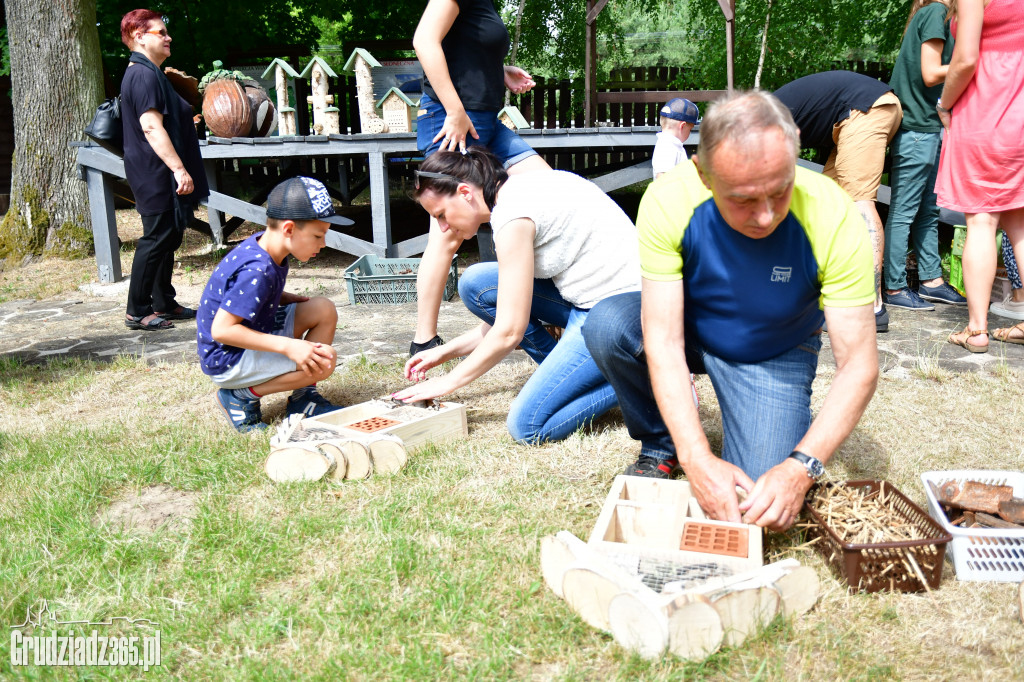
<point x="913" y="214"/>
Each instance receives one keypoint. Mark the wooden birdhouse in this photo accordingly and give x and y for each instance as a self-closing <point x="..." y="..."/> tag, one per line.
<point x="286" y="113"/>
<point x="318" y="71"/>
<point x="512" y="119"/>
<point x="361" y="62"/>
<point x="396" y="110"/>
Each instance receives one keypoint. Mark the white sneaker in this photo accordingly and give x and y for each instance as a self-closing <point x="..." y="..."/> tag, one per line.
<point x="1008" y="308"/>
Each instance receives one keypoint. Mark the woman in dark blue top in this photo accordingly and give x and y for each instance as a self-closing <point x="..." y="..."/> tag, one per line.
<point x="164" y="169"/>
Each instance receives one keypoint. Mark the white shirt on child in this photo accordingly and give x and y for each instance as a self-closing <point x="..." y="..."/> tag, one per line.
<point x="668" y="153"/>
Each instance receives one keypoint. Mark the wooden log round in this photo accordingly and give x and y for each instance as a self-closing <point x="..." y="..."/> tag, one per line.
<point x="694" y="630"/>
<point x="799" y="590"/>
<point x="638" y="624"/>
<point x="333" y="449"/>
<point x="226" y="109"/>
<point x="588" y="591"/>
<point x="360" y="465"/>
<point x="556" y="556"/>
<point x="296" y="463"/>
<point x="745" y="611"/>
<point x="388" y="454"/>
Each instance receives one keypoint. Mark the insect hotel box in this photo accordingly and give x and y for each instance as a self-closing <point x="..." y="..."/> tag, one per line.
<point x="661" y="577"/>
<point x="874" y="537"/>
<point x="355" y="442"/>
<point x="657" y="522"/>
<point x="980" y="554"/>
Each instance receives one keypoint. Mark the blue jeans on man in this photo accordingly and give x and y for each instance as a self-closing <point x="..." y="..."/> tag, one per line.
<point x="913" y="214"/>
<point x="567" y="390"/>
<point x="765" y="406"/>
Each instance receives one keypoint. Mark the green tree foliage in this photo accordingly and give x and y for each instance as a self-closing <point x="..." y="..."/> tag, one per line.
<point x="203" y="31"/>
<point x="804" y="36"/>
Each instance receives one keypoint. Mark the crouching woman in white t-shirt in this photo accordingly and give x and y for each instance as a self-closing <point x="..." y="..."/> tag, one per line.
<point x="562" y="246"/>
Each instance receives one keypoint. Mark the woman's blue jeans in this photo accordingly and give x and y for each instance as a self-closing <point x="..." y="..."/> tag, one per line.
<point x="765" y="406"/>
<point x="913" y="214"/>
<point x="567" y="390"/>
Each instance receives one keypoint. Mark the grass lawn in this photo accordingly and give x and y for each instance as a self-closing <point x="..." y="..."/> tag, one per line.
<point x="432" y="573"/>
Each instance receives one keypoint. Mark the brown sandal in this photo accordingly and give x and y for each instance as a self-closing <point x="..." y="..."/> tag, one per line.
<point x="1004" y="334"/>
<point x="960" y="339"/>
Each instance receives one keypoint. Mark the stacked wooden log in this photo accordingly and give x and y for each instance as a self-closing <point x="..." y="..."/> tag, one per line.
<point x="691" y="623"/>
<point x="974" y="504"/>
<point x="659" y="576"/>
<point x="356" y="442"/>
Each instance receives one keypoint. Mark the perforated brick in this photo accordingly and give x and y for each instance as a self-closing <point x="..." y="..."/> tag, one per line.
<point x="711" y="539"/>
<point x="372" y="424"/>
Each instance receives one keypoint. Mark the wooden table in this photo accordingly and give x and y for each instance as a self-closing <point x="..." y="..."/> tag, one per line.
<point x="99" y="168"/>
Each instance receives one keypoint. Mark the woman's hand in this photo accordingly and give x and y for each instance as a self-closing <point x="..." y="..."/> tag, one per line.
<point x="453" y="132"/>
<point x="435" y="388"/>
<point x="945" y="118"/>
<point x="517" y="80"/>
<point x="418" y="365"/>
<point x="184" y="181"/>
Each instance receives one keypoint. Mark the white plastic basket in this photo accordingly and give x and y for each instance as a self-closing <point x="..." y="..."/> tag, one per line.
<point x="981" y="554"/>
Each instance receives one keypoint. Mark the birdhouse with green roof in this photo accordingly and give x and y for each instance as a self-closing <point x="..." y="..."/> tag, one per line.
<point x="512" y="119"/>
<point x="282" y="71"/>
<point x="324" y="122"/>
<point x="396" y="110"/>
<point x="360" y="62"/>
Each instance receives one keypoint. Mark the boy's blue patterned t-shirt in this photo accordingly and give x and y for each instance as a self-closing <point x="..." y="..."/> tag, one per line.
<point x="247" y="283"/>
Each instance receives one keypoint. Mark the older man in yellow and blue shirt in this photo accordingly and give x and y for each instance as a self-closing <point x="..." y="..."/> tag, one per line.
<point x="744" y="256"/>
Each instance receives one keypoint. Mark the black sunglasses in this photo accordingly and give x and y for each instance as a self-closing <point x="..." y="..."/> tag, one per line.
<point x="434" y="176"/>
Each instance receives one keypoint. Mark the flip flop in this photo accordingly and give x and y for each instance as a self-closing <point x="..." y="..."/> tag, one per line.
<point x="960" y="339"/>
<point x="181" y="313"/>
<point x="156" y="324"/>
<point x="1004" y="334"/>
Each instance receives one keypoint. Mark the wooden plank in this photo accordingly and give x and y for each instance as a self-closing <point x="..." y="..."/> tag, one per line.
<point x="380" y="201"/>
<point x="627" y="176"/>
<point x="104" y="226"/>
<point x="237" y="207"/>
<point x="353" y="245"/>
<point x="616" y="97"/>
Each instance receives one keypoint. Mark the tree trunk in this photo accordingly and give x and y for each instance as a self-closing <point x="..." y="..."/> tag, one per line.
<point x="764" y="46"/>
<point x="56" y="83"/>
<point x="515" y="44"/>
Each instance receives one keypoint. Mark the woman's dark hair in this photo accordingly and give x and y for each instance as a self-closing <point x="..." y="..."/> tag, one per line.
<point x="477" y="167"/>
<point x="136" y="20"/>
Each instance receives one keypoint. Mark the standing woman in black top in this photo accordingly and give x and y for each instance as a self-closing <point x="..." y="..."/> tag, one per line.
<point x="461" y="45"/>
<point x="164" y="169"/>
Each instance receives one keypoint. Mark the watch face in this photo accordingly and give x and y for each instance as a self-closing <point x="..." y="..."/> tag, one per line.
<point x="815" y="468"/>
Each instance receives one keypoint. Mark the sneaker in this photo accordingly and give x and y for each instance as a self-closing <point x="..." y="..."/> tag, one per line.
<point x="882" y="320"/>
<point x="243" y="414"/>
<point x="1008" y="308"/>
<point x="652" y="467"/>
<point x="942" y="294"/>
<point x="309" y="403"/>
<point x="906" y="298"/>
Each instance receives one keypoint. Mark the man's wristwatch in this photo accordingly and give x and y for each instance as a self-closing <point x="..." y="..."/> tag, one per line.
<point x="814" y="467"/>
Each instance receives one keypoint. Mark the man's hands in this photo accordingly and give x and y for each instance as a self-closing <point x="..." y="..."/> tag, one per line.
<point x="773" y="502"/>
<point x="777" y="497"/>
<point x="714" y="483"/>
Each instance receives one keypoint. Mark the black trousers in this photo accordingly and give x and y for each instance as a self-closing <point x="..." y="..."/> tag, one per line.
<point x="150" y="287"/>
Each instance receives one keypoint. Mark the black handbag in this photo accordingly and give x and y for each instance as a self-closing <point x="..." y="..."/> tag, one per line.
<point x="105" y="128"/>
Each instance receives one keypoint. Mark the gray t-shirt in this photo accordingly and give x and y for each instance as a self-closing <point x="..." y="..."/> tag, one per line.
<point x="584" y="244"/>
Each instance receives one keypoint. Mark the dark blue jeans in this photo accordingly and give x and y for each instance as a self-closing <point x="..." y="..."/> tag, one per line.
<point x="567" y="390"/>
<point x="766" y="406"/>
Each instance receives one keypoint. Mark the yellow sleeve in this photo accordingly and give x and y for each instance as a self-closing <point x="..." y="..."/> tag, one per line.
<point x="665" y="211"/>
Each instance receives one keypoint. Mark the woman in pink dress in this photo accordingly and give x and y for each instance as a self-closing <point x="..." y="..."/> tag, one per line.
<point x="981" y="171"/>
